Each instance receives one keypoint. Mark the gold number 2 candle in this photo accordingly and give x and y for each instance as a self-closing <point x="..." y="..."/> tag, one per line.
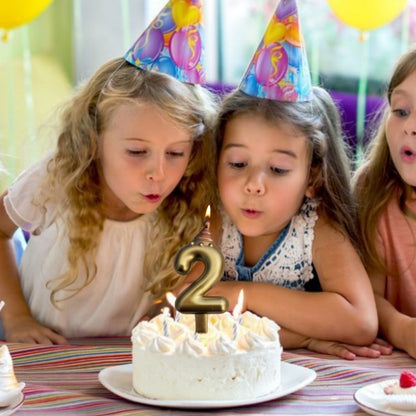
<point x="193" y="299"/>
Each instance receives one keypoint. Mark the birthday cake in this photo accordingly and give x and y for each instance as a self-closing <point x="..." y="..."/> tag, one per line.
<point x="235" y="359"/>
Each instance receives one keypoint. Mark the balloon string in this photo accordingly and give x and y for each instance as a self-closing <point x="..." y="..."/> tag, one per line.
<point x="361" y="102"/>
<point x="405" y="34"/>
<point x="315" y="59"/>
<point x="78" y="37"/>
<point x="11" y="108"/>
<point x="27" y="72"/>
<point x="125" y="16"/>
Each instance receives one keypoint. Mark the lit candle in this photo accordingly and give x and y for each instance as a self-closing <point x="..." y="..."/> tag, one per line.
<point x="171" y="298"/>
<point x="237" y="313"/>
<point x="1" y="304"/>
<point x="193" y="299"/>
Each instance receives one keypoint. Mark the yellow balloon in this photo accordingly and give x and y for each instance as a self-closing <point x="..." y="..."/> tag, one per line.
<point x="19" y="12"/>
<point x="185" y="14"/>
<point x="367" y="14"/>
<point x="275" y="32"/>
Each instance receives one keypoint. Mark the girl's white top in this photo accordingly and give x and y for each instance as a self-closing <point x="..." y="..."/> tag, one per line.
<point x="288" y="262"/>
<point x="114" y="301"/>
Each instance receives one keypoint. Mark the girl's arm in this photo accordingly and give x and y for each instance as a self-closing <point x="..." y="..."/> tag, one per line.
<point x="398" y="328"/>
<point x="17" y="320"/>
<point x="343" y="312"/>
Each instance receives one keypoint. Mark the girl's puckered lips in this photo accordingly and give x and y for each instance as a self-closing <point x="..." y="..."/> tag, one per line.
<point x="152" y="198"/>
<point x="251" y="213"/>
<point x="407" y="154"/>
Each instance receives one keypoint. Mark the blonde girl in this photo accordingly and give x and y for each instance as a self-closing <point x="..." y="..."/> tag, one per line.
<point x="127" y="185"/>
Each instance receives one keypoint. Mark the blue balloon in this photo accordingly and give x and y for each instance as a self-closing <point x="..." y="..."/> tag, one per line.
<point x="250" y="85"/>
<point x="165" y="65"/>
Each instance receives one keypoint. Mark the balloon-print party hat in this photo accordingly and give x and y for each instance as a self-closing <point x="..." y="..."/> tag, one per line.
<point x="173" y="42"/>
<point x="279" y="69"/>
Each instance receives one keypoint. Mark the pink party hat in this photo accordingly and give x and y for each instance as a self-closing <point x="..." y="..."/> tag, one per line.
<point x="173" y="43"/>
<point x="279" y="69"/>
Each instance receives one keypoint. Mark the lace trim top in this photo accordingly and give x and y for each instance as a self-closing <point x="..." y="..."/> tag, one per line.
<point x="287" y="262"/>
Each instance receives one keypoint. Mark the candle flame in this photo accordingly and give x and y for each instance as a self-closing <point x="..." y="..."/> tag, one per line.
<point x="239" y="306"/>
<point x="208" y="212"/>
<point x="171" y="298"/>
<point x="1" y="304"/>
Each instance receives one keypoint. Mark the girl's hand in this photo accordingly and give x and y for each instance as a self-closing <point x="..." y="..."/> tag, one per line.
<point x="28" y="330"/>
<point x="350" y="352"/>
<point x="407" y="333"/>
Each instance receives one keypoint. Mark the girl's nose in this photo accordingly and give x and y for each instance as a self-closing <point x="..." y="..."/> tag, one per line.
<point x="410" y="126"/>
<point x="156" y="171"/>
<point x="255" y="185"/>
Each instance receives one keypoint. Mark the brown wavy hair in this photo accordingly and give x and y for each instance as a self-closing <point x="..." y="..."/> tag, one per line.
<point x="376" y="182"/>
<point x="73" y="172"/>
<point x="319" y="121"/>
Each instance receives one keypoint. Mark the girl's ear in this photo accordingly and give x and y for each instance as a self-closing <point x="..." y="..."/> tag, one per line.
<point x="315" y="182"/>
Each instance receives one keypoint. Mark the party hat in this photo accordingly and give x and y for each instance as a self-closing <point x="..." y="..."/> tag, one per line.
<point x="279" y="69"/>
<point x="173" y="43"/>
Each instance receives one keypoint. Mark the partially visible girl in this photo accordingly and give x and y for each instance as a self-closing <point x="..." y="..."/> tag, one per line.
<point x="126" y="187"/>
<point x="385" y="189"/>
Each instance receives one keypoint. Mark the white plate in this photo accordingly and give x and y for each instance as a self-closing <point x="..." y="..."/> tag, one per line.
<point x="9" y="410"/>
<point x="372" y="400"/>
<point x="118" y="379"/>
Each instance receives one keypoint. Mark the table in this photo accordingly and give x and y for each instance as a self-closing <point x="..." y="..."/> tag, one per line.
<point x="63" y="380"/>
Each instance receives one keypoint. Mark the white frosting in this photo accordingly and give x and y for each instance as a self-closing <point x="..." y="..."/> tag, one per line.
<point x="235" y="359"/>
<point x="9" y="387"/>
<point x="395" y="388"/>
<point x="7" y="378"/>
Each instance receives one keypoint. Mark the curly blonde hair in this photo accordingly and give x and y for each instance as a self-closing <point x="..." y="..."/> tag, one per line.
<point x="319" y="121"/>
<point x="377" y="181"/>
<point x="74" y="171"/>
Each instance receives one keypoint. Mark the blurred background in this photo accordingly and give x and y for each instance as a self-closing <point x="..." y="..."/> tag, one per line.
<point x="43" y="59"/>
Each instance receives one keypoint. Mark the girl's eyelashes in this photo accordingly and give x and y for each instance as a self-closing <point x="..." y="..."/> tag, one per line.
<point x="400" y="112"/>
<point x="135" y="152"/>
<point x="237" y="165"/>
<point x="176" y="154"/>
<point x="278" y="171"/>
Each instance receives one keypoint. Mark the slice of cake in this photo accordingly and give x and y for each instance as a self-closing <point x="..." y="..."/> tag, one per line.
<point x="9" y="387"/>
<point x="401" y="393"/>
<point x="235" y="359"/>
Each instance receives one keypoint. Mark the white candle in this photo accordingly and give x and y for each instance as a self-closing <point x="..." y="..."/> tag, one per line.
<point x="237" y="313"/>
<point x="165" y="312"/>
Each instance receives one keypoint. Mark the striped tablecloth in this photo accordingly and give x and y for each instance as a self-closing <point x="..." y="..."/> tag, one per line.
<point x="63" y="380"/>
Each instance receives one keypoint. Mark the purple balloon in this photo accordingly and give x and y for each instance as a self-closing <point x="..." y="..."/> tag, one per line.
<point x="185" y="47"/>
<point x="286" y="8"/>
<point x="164" y="22"/>
<point x="271" y="65"/>
<point x="148" y="46"/>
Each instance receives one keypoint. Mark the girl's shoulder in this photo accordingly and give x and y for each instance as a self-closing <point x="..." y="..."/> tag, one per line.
<point x="21" y="200"/>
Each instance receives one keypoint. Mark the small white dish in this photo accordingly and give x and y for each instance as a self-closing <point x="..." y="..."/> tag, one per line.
<point x="14" y="406"/>
<point x="374" y="401"/>
<point x="118" y="380"/>
<point x="8" y="397"/>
